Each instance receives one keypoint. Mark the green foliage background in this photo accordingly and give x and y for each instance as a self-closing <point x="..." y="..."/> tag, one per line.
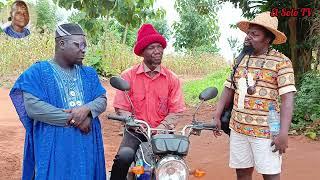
<point x="111" y="36"/>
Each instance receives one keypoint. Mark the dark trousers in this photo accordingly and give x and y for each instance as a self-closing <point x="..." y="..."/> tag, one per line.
<point x="125" y="155"/>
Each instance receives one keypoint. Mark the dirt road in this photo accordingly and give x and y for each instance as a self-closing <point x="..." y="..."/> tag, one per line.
<point x="207" y="153"/>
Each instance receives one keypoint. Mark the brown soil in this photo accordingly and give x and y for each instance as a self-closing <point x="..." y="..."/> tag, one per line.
<point x="206" y="152"/>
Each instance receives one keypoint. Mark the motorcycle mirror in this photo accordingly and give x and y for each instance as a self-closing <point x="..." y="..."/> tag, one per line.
<point x="119" y="83"/>
<point x="208" y="93"/>
<point x="122" y="85"/>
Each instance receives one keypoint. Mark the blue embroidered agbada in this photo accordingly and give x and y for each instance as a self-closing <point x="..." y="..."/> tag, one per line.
<point x="12" y="33"/>
<point x="53" y="152"/>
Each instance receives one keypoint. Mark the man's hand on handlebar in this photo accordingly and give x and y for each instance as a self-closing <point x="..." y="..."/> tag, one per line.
<point x="217" y="131"/>
<point x="138" y="129"/>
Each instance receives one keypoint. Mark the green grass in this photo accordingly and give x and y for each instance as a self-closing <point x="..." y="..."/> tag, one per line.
<point x="192" y="89"/>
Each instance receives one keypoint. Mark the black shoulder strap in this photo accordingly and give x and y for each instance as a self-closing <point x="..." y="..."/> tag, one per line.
<point x="236" y="65"/>
<point x="246" y="50"/>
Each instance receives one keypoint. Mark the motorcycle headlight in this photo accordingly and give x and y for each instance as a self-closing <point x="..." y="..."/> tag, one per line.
<point x="171" y="168"/>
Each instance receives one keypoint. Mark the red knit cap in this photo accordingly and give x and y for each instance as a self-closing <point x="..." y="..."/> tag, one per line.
<point x="147" y="34"/>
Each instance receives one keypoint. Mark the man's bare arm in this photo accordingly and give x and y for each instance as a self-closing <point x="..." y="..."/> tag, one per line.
<point x="286" y="110"/>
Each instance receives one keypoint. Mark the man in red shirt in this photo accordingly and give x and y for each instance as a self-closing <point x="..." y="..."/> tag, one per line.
<point x="155" y="92"/>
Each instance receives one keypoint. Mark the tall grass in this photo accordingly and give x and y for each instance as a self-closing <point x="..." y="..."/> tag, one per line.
<point x="16" y="55"/>
<point x="108" y="57"/>
<point x="194" y="64"/>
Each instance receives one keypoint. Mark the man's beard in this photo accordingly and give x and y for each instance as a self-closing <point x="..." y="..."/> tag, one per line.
<point x="247" y="48"/>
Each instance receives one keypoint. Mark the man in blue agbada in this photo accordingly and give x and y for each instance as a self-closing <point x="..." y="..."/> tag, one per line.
<point x="58" y="102"/>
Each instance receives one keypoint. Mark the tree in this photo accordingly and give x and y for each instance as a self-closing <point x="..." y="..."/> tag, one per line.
<point x="299" y="45"/>
<point x="46" y="17"/>
<point x="131" y="13"/>
<point x="118" y="30"/>
<point x="95" y="14"/>
<point x="198" y="26"/>
<point x="156" y="17"/>
<point x="314" y="36"/>
<point x="92" y="8"/>
<point x="161" y="25"/>
<point x="1" y="5"/>
<point x="93" y="27"/>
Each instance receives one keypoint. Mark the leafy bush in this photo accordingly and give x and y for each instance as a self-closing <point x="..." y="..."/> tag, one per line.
<point x="307" y="104"/>
<point x="110" y="57"/>
<point x="46" y="18"/>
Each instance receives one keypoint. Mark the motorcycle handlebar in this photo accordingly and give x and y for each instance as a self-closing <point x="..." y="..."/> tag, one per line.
<point x="198" y="126"/>
<point x="131" y="121"/>
<point x="118" y="118"/>
<point x="209" y="126"/>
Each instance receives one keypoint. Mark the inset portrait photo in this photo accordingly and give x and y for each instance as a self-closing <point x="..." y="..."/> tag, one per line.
<point x="18" y="19"/>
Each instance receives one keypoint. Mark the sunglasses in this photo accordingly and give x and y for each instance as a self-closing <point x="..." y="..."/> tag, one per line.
<point x="81" y="45"/>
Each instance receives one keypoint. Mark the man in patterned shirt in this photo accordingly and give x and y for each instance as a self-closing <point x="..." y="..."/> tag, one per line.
<point x="260" y="79"/>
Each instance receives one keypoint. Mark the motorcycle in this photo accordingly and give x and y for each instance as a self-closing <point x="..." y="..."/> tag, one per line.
<point x="161" y="157"/>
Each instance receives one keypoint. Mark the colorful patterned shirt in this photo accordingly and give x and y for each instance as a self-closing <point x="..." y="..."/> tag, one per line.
<point x="276" y="79"/>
